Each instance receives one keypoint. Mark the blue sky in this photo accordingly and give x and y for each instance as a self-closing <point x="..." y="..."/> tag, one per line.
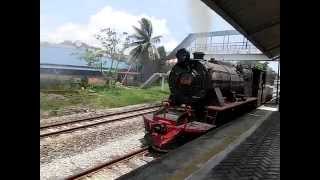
<point x="55" y="14"/>
<point x="79" y="19"/>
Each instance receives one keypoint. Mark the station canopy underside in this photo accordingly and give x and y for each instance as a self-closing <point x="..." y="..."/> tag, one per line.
<point x="257" y="20"/>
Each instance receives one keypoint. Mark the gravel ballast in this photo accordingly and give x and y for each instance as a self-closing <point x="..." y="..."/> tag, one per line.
<point x="87" y="139"/>
<point x="92" y="113"/>
<point x="70" y="153"/>
<point x="68" y="165"/>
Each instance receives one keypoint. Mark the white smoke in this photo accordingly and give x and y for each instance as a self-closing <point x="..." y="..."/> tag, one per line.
<point x="200" y="16"/>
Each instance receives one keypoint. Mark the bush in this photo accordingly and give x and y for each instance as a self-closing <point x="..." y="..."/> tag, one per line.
<point x="84" y="82"/>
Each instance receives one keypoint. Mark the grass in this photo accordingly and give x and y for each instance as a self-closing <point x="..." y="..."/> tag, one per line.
<point x="98" y="98"/>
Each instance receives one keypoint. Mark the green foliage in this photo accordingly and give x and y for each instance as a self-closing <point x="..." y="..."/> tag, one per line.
<point x="93" y="58"/>
<point x="162" y="52"/>
<point x="261" y="66"/>
<point x="270" y="74"/>
<point x="101" y="97"/>
<point x="90" y="57"/>
<point x="254" y="64"/>
<point x="143" y="44"/>
<point x="161" y="63"/>
<point x="84" y="82"/>
<point x="113" y="44"/>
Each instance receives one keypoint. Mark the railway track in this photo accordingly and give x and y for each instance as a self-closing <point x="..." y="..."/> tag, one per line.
<point x="137" y="154"/>
<point x="67" y="127"/>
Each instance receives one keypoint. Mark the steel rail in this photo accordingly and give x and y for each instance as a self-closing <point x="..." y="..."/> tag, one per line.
<point x="93" y="124"/>
<point x="103" y="165"/>
<point x="97" y="117"/>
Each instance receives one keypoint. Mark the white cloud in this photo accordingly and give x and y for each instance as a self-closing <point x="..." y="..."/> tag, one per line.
<point x="107" y="17"/>
<point x="71" y="31"/>
<point x="169" y="44"/>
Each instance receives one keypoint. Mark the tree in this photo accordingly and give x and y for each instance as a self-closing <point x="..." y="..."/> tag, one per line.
<point x="113" y="45"/>
<point x="262" y="66"/>
<point x="161" y="63"/>
<point x="271" y="75"/>
<point x="92" y="59"/>
<point x="144" y="44"/>
<point x="254" y="64"/>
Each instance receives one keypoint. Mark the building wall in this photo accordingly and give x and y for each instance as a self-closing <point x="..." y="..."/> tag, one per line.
<point x="53" y="78"/>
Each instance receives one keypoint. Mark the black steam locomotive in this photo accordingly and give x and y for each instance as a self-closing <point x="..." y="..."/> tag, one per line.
<point x="203" y="94"/>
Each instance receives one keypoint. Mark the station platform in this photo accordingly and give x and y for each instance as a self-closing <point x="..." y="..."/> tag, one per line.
<point x="246" y="148"/>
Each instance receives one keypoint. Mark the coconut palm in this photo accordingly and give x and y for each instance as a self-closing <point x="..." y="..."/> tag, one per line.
<point x="144" y="45"/>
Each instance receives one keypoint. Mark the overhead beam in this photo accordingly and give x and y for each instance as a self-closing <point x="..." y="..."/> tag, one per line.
<point x="238" y="57"/>
<point x="217" y="33"/>
<point x="191" y="37"/>
<point x="214" y="6"/>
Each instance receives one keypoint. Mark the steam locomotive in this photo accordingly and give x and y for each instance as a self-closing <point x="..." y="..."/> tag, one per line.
<point x="204" y="93"/>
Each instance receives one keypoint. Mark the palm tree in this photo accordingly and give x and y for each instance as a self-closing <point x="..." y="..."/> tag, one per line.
<point x="143" y="44"/>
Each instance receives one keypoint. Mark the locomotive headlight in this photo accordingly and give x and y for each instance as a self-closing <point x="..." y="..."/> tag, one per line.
<point x="186" y="79"/>
<point x="160" y="128"/>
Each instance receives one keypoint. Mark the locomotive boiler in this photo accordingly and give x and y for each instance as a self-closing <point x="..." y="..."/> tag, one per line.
<point x="202" y="93"/>
<point x="197" y="82"/>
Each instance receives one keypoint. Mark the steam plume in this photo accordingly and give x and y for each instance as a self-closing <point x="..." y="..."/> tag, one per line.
<point x="200" y="16"/>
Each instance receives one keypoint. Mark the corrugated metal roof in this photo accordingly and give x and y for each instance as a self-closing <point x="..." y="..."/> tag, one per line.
<point x="70" y="67"/>
<point x="66" y="55"/>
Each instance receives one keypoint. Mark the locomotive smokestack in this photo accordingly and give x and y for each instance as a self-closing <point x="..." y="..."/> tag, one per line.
<point x="198" y="55"/>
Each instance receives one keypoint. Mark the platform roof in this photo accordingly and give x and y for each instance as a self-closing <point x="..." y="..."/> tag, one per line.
<point x="257" y="20"/>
